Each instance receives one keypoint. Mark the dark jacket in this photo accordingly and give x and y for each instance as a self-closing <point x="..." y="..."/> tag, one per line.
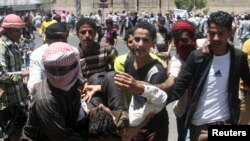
<point x="53" y="114"/>
<point x="197" y="69"/>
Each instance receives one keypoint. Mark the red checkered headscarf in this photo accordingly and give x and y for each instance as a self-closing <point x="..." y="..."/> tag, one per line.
<point x="60" y="54"/>
<point x="12" y="21"/>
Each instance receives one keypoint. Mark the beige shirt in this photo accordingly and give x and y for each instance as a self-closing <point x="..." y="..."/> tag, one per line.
<point x="181" y="105"/>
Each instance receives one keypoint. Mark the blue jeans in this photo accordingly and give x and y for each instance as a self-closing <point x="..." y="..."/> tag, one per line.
<point x="183" y="131"/>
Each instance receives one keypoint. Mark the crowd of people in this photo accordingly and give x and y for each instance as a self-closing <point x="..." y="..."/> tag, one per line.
<point x="90" y="92"/>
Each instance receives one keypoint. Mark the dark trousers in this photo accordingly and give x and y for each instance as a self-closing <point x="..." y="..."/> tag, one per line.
<point x="156" y="130"/>
<point x="110" y="96"/>
<point x="12" y="120"/>
<point x="122" y="27"/>
<point x="182" y="129"/>
<point x="198" y="133"/>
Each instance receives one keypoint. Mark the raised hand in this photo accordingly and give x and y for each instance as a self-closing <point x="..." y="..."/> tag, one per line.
<point x="125" y="81"/>
<point x="89" y="91"/>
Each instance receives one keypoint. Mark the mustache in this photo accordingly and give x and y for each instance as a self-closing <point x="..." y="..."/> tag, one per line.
<point x="87" y="40"/>
<point x="214" y="43"/>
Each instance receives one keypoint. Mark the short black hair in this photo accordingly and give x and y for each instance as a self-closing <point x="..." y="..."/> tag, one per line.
<point x="57" y="18"/>
<point x="101" y="123"/>
<point x="148" y="26"/>
<point x="128" y="32"/>
<point x="48" y="14"/>
<point x="88" y="21"/>
<point x="161" y="19"/>
<point x="26" y="19"/>
<point x="109" y="22"/>
<point x="221" y="18"/>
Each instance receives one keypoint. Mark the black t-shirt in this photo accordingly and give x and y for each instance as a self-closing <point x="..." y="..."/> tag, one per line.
<point x="161" y="40"/>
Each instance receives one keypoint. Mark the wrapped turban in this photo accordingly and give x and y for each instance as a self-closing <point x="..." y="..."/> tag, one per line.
<point x="57" y="31"/>
<point x="60" y="55"/>
<point x="183" y="25"/>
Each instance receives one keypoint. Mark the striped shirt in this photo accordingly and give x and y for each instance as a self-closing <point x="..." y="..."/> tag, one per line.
<point x="100" y="59"/>
<point x="53" y="115"/>
<point x="153" y="73"/>
<point x="10" y="74"/>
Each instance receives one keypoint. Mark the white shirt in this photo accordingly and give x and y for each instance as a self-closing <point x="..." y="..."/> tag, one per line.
<point x="156" y="100"/>
<point x="36" y="68"/>
<point x="213" y="104"/>
<point x="115" y="18"/>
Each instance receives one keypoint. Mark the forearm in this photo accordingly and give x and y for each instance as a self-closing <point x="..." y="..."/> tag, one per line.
<point x="11" y="76"/>
<point x="167" y="84"/>
<point x="138" y="87"/>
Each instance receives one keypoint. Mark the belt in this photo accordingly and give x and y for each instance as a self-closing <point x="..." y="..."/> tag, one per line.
<point x="227" y="122"/>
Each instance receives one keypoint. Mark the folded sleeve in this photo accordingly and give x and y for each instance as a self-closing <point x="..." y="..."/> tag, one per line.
<point x="155" y="96"/>
<point x="155" y="102"/>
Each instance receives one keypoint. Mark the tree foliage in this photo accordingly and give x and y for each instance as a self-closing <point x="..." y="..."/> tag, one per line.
<point x="190" y="4"/>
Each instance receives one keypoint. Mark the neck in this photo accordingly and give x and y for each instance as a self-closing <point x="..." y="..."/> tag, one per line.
<point x="10" y="38"/>
<point x="219" y="51"/>
<point x="142" y="61"/>
<point x="85" y="49"/>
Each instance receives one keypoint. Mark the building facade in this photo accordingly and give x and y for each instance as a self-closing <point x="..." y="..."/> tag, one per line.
<point x="155" y="6"/>
<point x="8" y="6"/>
<point x="84" y="7"/>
